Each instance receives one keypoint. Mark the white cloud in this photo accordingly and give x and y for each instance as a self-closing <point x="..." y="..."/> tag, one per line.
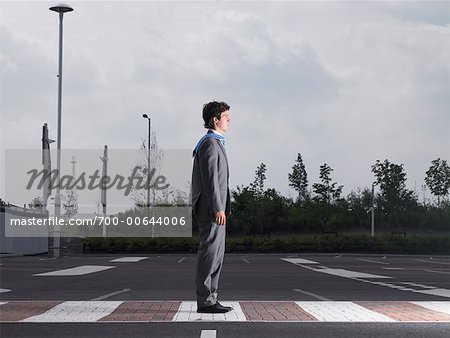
<point x="344" y="83"/>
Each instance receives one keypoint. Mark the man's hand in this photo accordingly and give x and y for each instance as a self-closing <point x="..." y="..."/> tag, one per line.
<point x="221" y="218"/>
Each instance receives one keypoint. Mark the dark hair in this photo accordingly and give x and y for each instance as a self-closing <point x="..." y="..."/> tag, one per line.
<point x="213" y="110"/>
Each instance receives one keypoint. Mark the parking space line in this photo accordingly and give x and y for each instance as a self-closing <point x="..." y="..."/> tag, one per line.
<point x="370" y="261"/>
<point x="446" y="273"/>
<point x="128" y="259"/>
<point x="182" y="259"/>
<point x="110" y="294"/>
<point x="430" y="261"/>
<point x="299" y="261"/>
<point x="349" y="273"/>
<point x="311" y="294"/>
<point x="246" y="261"/>
<point x="76" y="271"/>
<point x="208" y="334"/>
<point x="435" y="292"/>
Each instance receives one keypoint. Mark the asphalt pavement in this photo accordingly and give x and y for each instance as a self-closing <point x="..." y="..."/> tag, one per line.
<point x="290" y="295"/>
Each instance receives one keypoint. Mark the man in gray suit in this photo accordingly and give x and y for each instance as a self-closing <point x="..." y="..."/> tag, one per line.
<point x="211" y="205"/>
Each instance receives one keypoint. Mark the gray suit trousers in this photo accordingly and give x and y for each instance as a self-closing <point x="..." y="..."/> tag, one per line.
<point x="210" y="260"/>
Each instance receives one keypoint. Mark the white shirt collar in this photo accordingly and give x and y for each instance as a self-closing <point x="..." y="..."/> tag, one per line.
<point x="216" y="132"/>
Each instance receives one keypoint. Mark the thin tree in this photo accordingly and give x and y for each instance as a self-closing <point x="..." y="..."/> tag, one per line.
<point x="258" y="183"/>
<point x="438" y="179"/>
<point x="326" y="191"/>
<point x="298" y="179"/>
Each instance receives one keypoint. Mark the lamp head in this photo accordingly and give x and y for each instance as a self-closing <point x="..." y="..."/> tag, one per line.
<point x="145" y="116"/>
<point x="61" y="8"/>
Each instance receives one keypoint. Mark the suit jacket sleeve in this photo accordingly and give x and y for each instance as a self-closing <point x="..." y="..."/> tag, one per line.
<point x="209" y="170"/>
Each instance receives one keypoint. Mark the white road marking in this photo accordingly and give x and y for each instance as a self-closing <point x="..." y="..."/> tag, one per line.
<point x="4" y="290"/>
<point x="359" y="276"/>
<point x="419" y="285"/>
<point x="187" y="312"/>
<point x="446" y="273"/>
<point x="436" y="306"/>
<point x="76" y="311"/>
<point x="77" y="271"/>
<point x="349" y="273"/>
<point x="208" y="334"/>
<point x="370" y="261"/>
<point x="393" y="268"/>
<point x="110" y="294"/>
<point x="342" y="312"/>
<point x="336" y="272"/>
<point x="128" y="259"/>
<point x="338" y="256"/>
<point x="1" y="303"/>
<point x="312" y="294"/>
<point x="435" y="292"/>
<point x="182" y="259"/>
<point x="246" y="261"/>
<point x="299" y="261"/>
<point x="423" y="260"/>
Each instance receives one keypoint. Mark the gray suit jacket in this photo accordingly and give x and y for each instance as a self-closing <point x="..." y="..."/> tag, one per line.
<point x="210" y="180"/>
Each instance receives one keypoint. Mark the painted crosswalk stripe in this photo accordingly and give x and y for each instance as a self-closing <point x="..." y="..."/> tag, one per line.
<point x="440" y="306"/>
<point x="128" y="259"/>
<point x="208" y="334"/>
<point x="342" y="312"/>
<point x="76" y="311"/>
<point x="187" y="312"/>
<point x="299" y="261"/>
<point x="77" y="271"/>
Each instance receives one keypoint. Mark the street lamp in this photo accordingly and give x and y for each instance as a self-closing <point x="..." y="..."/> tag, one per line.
<point x="61" y="9"/>
<point x="145" y="116"/>
<point x="372" y="228"/>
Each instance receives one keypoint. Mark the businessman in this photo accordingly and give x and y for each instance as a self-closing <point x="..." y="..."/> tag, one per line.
<point x="211" y="204"/>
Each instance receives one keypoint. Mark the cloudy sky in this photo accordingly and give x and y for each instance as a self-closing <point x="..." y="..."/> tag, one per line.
<point x="341" y="82"/>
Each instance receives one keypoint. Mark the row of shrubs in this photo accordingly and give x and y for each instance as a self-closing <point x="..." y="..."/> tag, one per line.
<point x="388" y="243"/>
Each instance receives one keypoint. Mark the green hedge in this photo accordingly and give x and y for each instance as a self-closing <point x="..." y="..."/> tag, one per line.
<point x="415" y="244"/>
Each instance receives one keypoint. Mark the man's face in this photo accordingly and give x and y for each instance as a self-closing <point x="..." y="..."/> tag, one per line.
<point x="222" y="124"/>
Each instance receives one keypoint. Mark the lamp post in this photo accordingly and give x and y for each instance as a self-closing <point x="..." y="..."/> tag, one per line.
<point x="61" y="9"/>
<point x="372" y="228"/>
<point x="145" y="116"/>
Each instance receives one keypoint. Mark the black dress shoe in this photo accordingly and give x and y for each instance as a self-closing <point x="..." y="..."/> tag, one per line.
<point x="216" y="308"/>
<point x="226" y="307"/>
